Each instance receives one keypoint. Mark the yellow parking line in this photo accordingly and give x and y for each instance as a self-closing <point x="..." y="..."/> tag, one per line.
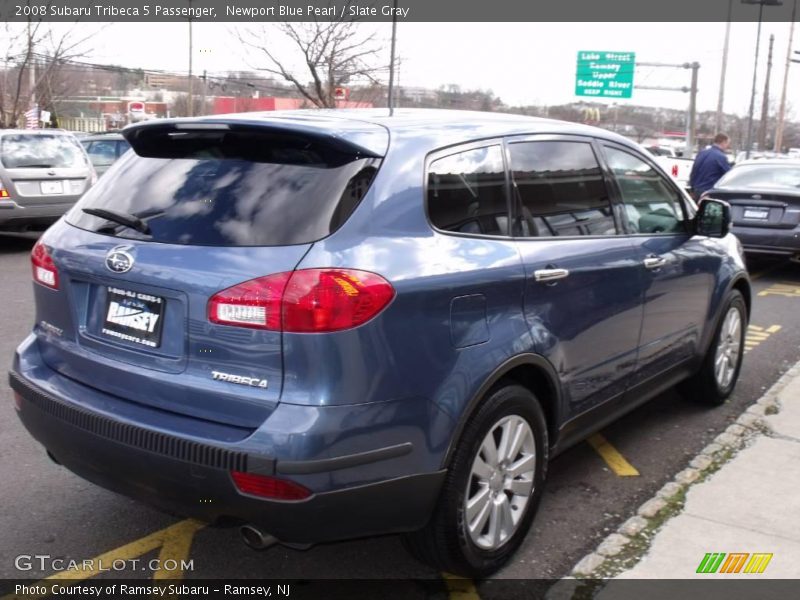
<point x="460" y="588"/>
<point x="613" y="458"/>
<point x="788" y="290"/>
<point x="755" y="335"/>
<point x="174" y="541"/>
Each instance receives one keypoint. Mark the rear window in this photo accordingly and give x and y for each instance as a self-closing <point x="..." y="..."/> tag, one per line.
<point x="24" y="150"/>
<point x="758" y="176"/>
<point x="229" y="188"/>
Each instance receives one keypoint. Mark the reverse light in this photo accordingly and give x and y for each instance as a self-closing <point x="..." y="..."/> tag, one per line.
<point x="44" y="269"/>
<point x="304" y="301"/>
<point x="269" y="487"/>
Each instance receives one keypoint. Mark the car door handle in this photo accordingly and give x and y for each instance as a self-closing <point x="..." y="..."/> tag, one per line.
<point x="654" y="262"/>
<point x="547" y="275"/>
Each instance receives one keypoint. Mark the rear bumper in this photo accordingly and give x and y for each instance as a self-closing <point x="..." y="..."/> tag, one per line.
<point x="16" y="218"/>
<point x="191" y="477"/>
<point x="764" y="240"/>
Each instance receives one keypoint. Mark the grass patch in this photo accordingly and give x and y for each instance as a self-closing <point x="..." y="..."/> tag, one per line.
<point x="633" y="551"/>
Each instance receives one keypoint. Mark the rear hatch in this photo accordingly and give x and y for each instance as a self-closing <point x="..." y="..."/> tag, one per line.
<point x="43" y="168"/>
<point x="195" y="210"/>
<point x="762" y="194"/>
<point x="773" y="208"/>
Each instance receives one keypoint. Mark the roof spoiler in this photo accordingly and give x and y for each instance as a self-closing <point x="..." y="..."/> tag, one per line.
<point x="143" y="137"/>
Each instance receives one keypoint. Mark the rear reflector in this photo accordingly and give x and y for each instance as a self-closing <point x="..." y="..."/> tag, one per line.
<point x="17" y="401"/>
<point x="269" y="487"/>
<point x="304" y="301"/>
<point x="44" y="269"/>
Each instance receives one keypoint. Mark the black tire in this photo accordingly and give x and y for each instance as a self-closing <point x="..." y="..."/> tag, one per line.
<point x="703" y="386"/>
<point x="445" y="543"/>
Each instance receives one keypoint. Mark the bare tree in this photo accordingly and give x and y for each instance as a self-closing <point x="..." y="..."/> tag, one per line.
<point x="329" y="54"/>
<point x="35" y="63"/>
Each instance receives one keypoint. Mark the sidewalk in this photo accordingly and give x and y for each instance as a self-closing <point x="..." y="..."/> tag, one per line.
<point x="741" y="495"/>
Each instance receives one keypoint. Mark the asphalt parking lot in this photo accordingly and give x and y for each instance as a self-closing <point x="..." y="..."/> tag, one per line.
<point x="592" y="488"/>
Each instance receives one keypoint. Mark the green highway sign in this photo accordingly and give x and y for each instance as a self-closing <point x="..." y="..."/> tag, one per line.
<point x="605" y="74"/>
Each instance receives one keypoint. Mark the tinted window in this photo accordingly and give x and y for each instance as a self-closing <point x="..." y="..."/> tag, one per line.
<point x="762" y="176"/>
<point x="651" y="204"/>
<point x="559" y="190"/>
<point x="466" y="192"/>
<point x="23" y="150"/>
<point x="122" y="147"/>
<point x="227" y="188"/>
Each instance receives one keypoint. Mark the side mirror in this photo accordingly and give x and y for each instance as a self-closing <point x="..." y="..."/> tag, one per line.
<point x="713" y="218"/>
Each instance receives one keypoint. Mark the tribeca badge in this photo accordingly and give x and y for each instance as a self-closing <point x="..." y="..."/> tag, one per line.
<point x="736" y="562"/>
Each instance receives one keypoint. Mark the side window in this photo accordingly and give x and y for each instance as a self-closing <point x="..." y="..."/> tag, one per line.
<point x="651" y="205"/>
<point x="122" y="147"/>
<point x="467" y="192"/>
<point x="559" y="190"/>
<point x="102" y="153"/>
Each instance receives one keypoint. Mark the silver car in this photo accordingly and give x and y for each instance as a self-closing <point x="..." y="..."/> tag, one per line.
<point x="42" y="174"/>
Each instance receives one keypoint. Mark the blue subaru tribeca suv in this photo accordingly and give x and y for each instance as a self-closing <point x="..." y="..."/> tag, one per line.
<point x="326" y="325"/>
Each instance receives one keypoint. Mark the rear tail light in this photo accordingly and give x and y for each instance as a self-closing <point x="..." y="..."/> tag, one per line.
<point x="269" y="487"/>
<point x="305" y="301"/>
<point x="3" y="193"/>
<point x="44" y="269"/>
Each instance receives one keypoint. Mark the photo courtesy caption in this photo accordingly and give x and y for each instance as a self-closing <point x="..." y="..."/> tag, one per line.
<point x="152" y="590"/>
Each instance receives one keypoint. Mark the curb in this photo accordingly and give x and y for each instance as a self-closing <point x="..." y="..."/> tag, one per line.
<point x="621" y="550"/>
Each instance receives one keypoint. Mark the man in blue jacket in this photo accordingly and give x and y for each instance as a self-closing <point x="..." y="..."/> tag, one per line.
<point x="709" y="166"/>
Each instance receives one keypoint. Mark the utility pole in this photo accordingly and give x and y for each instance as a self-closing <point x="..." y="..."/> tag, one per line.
<point x="691" y="114"/>
<point x="691" y="132"/>
<point x="782" y="109"/>
<point x="203" y="101"/>
<point x="718" y="123"/>
<point x="190" y="111"/>
<point x="762" y="127"/>
<point x="31" y="67"/>
<point x="391" y="60"/>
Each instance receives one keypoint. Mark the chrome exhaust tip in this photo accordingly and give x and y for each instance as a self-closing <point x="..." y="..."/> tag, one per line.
<point x="256" y="538"/>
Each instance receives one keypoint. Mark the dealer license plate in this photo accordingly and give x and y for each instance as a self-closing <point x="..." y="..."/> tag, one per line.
<point x="133" y="317"/>
<point x="756" y="213"/>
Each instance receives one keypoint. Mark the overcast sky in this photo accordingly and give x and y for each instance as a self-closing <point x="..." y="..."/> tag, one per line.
<point x="523" y="63"/>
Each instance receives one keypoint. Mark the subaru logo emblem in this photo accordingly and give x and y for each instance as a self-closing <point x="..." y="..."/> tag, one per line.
<point x="119" y="260"/>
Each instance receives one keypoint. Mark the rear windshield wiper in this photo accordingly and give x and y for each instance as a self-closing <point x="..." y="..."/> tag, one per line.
<point x="125" y="219"/>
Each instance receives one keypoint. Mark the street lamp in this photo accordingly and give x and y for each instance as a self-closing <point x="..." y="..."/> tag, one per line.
<point x="761" y="5"/>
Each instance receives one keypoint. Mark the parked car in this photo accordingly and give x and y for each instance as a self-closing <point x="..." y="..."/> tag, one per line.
<point x="764" y="195"/>
<point x="42" y="174"/>
<point x="674" y="163"/>
<point x="104" y="149"/>
<point x="668" y="151"/>
<point x="338" y="324"/>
